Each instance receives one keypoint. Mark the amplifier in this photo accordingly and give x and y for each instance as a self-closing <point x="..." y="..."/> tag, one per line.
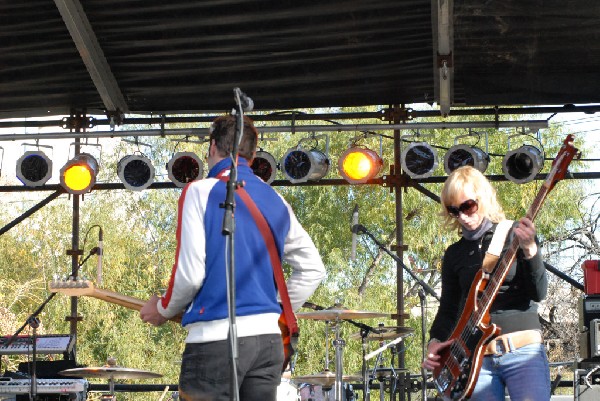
<point x="589" y="326"/>
<point x="587" y="384"/>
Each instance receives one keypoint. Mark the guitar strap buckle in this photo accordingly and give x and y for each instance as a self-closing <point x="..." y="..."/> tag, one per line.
<point x="501" y="347"/>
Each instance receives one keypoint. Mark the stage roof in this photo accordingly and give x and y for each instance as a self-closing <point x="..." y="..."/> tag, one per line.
<point x="157" y="56"/>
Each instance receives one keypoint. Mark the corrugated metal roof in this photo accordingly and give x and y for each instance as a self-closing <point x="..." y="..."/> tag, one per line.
<point x="186" y="56"/>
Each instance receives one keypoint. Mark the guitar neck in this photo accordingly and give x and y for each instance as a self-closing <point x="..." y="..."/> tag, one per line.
<point x="497" y="277"/>
<point x="123" y="300"/>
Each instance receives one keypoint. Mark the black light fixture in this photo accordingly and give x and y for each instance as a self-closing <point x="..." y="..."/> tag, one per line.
<point x="78" y="175"/>
<point x="300" y="165"/>
<point x="523" y="164"/>
<point x="465" y="155"/>
<point x="34" y="168"/>
<point x="419" y="160"/>
<point x="135" y="172"/>
<point x="264" y="166"/>
<point x="184" y="167"/>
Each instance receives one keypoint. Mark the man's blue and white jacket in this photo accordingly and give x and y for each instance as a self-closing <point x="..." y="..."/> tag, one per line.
<point x="198" y="279"/>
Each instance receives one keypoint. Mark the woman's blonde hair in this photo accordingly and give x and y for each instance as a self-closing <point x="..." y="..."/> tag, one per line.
<point x="486" y="195"/>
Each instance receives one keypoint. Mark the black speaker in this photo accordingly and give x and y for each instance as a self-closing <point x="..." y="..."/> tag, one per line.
<point x="48" y="369"/>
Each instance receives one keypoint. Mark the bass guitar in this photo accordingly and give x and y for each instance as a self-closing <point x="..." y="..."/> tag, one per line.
<point x="460" y="362"/>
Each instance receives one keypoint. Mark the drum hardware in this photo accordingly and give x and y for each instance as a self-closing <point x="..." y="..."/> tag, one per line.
<point x="340" y="314"/>
<point x="383" y="333"/>
<point x="335" y="315"/>
<point x="325" y="379"/>
<point x="385" y="376"/>
<point x="111" y="372"/>
<point x="383" y="348"/>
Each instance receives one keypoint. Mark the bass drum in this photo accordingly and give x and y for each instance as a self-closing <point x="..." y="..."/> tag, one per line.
<point x="310" y="392"/>
<point x="287" y="391"/>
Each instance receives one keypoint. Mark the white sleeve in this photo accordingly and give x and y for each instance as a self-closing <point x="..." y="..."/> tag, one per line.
<point x="188" y="271"/>
<point x="307" y="267"/>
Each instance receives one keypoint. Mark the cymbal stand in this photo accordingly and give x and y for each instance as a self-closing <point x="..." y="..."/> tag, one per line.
<point x="339" y="344"/>
<point x="393" y="375"/>
<point x="110" y="362"/>
<point x="111" y="391"/>
<point x="327" y="323"/>
<point x="377" y="365"/>
<point x="364" y="333"/>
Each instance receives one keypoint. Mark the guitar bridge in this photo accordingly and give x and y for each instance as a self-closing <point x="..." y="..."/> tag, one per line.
<point x="444" y="379"/>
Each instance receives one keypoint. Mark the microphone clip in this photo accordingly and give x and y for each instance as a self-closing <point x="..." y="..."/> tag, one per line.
<point x="357" y="229"/>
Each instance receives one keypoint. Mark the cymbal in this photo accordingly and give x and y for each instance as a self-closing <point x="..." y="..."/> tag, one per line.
<point x="337" y="314"/>
<point x="325" y="378"/>
<point x="110" y="372"/>
<point x="385" y="333"/>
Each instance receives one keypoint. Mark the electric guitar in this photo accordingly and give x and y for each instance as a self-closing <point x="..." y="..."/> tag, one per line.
<point x="461" y="362"/>
<point x="77" y="288"/>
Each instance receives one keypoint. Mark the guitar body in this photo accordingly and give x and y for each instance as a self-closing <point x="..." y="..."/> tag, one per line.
<point x="290" y="341"/>
<point x="460" y="363"/>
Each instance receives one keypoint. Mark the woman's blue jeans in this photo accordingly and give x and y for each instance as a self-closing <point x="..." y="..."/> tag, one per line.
<point x="524" y="372"/>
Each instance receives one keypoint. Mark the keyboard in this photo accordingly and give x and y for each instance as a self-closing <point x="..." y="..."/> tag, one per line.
<point x="77" y="387"/>
<point x="45" y="344"/>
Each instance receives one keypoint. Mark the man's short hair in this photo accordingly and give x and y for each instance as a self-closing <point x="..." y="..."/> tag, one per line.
<point x="222" y="131"/>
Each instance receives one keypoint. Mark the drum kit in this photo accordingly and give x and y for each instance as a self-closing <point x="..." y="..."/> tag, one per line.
<point x="326" y="385"/>
<point x="329" y="386"/>
<point x="111" y="372"/>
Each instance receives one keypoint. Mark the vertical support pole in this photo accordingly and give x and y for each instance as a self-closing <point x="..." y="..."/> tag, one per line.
<point x="399" y="241"/>
<point x="75" y="253"/>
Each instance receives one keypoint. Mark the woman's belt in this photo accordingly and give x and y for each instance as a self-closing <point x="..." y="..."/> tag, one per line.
<point x="512" y="341"/>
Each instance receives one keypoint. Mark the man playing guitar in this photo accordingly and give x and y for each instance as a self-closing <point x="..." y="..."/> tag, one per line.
<point x="198" y="280"/>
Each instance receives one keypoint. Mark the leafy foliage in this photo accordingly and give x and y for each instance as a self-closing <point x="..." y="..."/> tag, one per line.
<point x="139" y="241"/>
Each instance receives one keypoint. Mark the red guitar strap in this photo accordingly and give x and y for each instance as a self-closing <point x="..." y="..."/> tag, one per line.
<point x="267" y="234"/>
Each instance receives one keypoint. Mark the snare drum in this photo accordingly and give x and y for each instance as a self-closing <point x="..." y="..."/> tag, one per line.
<point x="287" y="391"/>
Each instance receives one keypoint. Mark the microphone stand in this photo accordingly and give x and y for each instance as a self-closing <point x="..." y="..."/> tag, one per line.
<point x="228" y="230"/>
<point x="34" y="322"/>
<point x="359" y="229"/>
<point x="423" y="303"/>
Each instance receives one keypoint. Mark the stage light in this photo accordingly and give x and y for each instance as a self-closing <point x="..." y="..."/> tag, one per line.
<point x="135" y="172"/>
<point x="78" y="175"/>
<point x="264" y="166"/>
<point x="358" y="165"/>
<point x="465" y="155"/>
<point x="34" y="168"/>
<point x="299" y="165"/>
<point x="185" y="167"/>
<point x="419" y="160"/>
<point x="523" y="164"/>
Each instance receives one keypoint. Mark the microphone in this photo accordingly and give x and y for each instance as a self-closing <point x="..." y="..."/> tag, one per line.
<point x="354" y="230"/>
<point x="246" y="102"/>
<point x="99" y="253"/>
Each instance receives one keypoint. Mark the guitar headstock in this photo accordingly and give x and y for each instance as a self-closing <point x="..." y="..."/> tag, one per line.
<point x="561" y="162"/>
<point x="73" y="288"/>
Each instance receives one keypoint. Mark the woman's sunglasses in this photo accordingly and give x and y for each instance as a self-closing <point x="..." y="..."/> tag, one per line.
<point x="468" y="207"/>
